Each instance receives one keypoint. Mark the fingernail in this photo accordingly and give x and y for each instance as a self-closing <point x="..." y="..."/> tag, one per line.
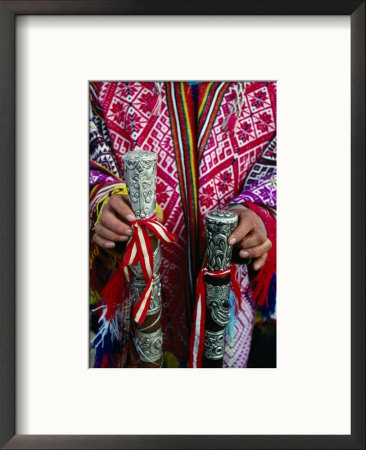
<point x="109" y="245"/>
<point x="123" y="238"/>
<point x="232" y="241"/>
<point x="131" y="217"/>
<point x="244" y="254"/>
<point x="129" y="232"/>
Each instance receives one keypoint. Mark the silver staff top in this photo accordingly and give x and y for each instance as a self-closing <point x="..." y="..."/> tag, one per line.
<point x="140" y="176"/>
<point x="219" y="226"/>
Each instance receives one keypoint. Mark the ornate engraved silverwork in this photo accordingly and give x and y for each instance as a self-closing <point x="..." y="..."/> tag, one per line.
<point x="149" y="345"/>
<point x="140" y="175"/>
<point x="214" y="347"/>
<point x="217" y="303"/>
<point x="219" y="226"/>
<point x="155" y="303"/>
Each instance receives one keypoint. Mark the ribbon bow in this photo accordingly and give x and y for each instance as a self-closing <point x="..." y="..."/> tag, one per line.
<point x="139" y="250"/>
<point x="198" y="332"/>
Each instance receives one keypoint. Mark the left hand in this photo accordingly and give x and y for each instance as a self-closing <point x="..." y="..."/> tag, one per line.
<point x="250" y="236"/>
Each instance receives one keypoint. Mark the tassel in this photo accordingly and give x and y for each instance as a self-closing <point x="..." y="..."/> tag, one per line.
<point x="107" y="350"/>
<point x="113" y="292"/>
<point x="261" y="284"/>
<point x="108" y="330"/>
<point x="154" y="104"/>
<point x="230" y="122"/>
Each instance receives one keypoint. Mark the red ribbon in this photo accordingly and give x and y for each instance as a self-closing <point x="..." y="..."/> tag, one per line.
<point x="138" y="250"/>
<point x="198" y="332"/>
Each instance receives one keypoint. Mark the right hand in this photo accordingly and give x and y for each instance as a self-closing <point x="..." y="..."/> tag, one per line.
<point x="114" y="224"/>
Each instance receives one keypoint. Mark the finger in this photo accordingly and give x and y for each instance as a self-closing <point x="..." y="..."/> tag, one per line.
<point x="112" y="223"/>
<point x="246" y="224"/>
<point x="120" y="205"/>
<point x="252" y="239"/>
<point x="257" y="251"/>
<point x="259" y="262"/>
<point x="108" y="234"/>
<point x="125" y="199"/>
<point x="104" y="243"/>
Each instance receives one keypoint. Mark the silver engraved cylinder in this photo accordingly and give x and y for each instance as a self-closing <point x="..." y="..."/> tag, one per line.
<point x="140" y="176"/>
<point x="149" y="346"/>
<point x="219" y="225"/>
<point x="214" y="345"/>
<point x="217" y="303"/>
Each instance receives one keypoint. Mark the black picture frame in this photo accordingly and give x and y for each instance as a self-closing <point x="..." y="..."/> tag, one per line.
<point x="8" y="12"/>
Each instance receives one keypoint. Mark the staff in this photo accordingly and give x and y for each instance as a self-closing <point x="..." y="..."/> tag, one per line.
<point x="212" y="312"/>
<point x="140" y="175"/>
<point x="219" y="225"/>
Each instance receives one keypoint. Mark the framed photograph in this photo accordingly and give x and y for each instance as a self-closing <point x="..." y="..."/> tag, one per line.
<point x="183" y="187"/>
<point x="102" y="102"/>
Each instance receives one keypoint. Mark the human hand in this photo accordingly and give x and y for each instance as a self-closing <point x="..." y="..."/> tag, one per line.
<point x="250" y="236"/>
<point x="114" y="224"/>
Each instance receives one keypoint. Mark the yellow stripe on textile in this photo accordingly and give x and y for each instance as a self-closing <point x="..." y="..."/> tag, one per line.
<point x="204" y="100"/>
